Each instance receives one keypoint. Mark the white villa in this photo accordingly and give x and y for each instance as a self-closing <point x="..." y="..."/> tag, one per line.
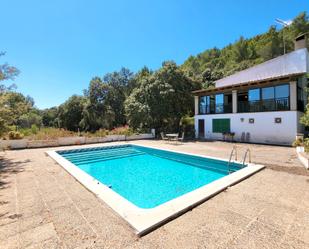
<point x="262" y="104"/>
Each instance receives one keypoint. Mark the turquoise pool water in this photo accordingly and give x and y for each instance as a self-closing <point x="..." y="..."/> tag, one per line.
<point x="144" y="176"/>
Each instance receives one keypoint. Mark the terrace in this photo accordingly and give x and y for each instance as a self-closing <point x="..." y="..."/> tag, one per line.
<point x="42" y="206"/>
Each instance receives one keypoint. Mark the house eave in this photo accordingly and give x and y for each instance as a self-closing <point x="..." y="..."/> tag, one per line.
<point x="249" y="84"/>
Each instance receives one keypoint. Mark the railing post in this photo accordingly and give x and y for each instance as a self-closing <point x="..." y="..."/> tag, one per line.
<point x="234" y="101"/>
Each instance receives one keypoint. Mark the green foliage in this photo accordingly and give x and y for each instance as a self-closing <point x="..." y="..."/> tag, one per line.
<point x="298" y="142"/>
<point x="12" y="106"/>
<point x="98" y="133"/>
<point x="119" y="83"/>
<point x="49" y="117"/>
<point x="7" y="72"/>
<point x="48" y="133"/>
<point x="97" y="113"/>
<point x="187" y="126"/>
<point x="28" y="119"/>
<point x="306" y="144"/>
<point x="14" y="135"/>
<point x="70" y="113"/>
<point x="123" y="130"/>
<point x="214" y="63"/>
<point x="161" y="99"/>
<point x="34" y="129"/>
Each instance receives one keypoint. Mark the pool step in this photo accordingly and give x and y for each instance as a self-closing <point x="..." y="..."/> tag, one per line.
<point x="99" y="154"/>
<point x="103" y="157"/>
<point x="106" y="159"/>
<point x="94" y="152"/>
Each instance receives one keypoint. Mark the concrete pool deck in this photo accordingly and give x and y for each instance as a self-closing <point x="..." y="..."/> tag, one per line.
<point x="42" y="206"/>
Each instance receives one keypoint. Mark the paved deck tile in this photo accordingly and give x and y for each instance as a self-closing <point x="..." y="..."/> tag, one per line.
<point x="42" y="206"/>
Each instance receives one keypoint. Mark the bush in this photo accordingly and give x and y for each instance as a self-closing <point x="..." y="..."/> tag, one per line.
<point x="306" y="144"/>
<point x="98" y="133"/>
<point x="14" y="135"/>
<point x="29" y="119"/>
<point x="3" y="127"/>
<point x="298" y="142"/>
<point x="47" y="133"/>
<point x="123" y="130"/>
<point x="187" y="126"/>
<point x="34" y="129"/>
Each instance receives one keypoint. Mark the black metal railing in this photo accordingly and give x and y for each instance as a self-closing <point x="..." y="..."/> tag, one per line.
<point x="279" y="104"/>
<point x="217" y="109"/>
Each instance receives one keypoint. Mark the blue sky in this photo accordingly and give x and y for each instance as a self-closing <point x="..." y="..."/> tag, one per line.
<point x="60" y="45"/>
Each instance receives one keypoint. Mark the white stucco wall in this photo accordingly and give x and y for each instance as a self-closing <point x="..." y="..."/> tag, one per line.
<point x="263" y="130"/>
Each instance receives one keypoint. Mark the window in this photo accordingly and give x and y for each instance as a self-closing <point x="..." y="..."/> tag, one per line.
<point x="282" y="91"/>
<point x="202" y="105"/>
<point x="219" y="103"/>
<point x="274" y="98"/>
<point x="228" y="99"/>
<point x="221" y="125"/>
<point x="268" y="93"/>
<point x="254" y="94"/>
<point x="301" y="96"/>
<point x="212" y="104"/>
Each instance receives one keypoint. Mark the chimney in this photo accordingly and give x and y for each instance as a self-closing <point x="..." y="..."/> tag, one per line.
<point x="300" y="41"/>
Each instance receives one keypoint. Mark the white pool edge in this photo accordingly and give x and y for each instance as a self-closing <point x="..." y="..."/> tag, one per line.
<point x="145" y="220"/>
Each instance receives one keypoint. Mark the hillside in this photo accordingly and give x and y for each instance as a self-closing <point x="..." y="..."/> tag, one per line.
<point x="213" y="64"/>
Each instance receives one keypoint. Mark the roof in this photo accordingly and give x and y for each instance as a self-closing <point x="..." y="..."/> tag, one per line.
<point x="294" y="63"/>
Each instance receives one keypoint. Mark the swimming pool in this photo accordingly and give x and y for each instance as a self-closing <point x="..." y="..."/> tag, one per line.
<point x="147" y="185"/>
<point x="147" y="177"/>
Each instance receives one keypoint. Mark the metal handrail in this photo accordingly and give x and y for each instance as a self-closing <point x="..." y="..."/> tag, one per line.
<point x="231" y="155"/>
<point x="276" y="104"/>
<point x="245" y="156"/>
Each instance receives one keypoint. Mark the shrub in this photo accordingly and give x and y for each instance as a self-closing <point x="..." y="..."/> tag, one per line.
<point x="298" y="142"/>
<point x="34" y="129"/>
<point x="15" y="135"/>
<point x="187" y="126"/>
<point x="306" y="144"/>
<point x="123" y="130"/>
<point x="29" y="119"/>
<point x="98" y="133"/>
<point x="48" y="133"/>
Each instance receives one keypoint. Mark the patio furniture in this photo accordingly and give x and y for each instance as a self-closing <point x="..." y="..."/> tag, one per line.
<point x="172" y="136"/>
<point x="182" y="138"/>
<point x="163" y="137"/>
<point x="228" y="136"/>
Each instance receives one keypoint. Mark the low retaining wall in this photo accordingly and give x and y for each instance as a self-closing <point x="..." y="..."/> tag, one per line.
<point x="301" y="156"/>
<point x="63" y="141"/>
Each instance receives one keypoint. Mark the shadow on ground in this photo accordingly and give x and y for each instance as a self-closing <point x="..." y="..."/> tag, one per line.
<point x="9" y="167"/>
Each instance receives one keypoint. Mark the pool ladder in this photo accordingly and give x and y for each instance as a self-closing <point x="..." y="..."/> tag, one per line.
<point x="248" y="152"/>
<point x="234" y="153"/>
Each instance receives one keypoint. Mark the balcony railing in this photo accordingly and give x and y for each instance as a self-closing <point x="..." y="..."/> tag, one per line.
<point x="216" y="109"/>
<point x="280" y="104"/>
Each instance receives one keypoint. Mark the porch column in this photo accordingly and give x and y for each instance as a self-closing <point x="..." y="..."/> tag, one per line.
<point x="196" y="105"/>
<point x="293" y="95"/>
<point x="234" y="101"/>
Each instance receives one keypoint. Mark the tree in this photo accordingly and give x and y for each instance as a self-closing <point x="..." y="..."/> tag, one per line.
<point x="49" y="117"/>
<point x="28" y="119"/>
<point x="97" y="113"/>
<point x="272" y="45"/>
<point x="214" y="63"/>
<point x="70" y="113"/>
<point x="119" y="89"/>
<point x="161" y="99"/>
<point x="7" y="72"/>
<point x="12" y="106"/>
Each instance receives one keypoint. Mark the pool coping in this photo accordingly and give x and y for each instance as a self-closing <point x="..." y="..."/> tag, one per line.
<point x="142" y="220"/>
